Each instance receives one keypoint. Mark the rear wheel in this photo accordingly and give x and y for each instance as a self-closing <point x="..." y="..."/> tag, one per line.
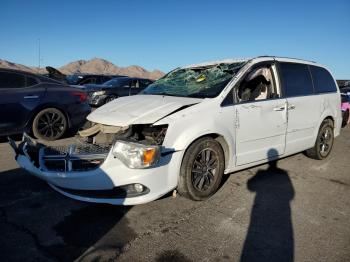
<point x="324" y="141"/>
<point x="202" y="169"/>
<point x="49" y="124"/>
<point x="345" y="118"/>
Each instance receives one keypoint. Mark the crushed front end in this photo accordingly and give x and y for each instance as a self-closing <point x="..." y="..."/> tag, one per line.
<point x="107" y="164"/>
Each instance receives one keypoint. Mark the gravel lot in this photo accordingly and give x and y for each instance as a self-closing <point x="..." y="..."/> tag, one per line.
<point x="299" y="212"/>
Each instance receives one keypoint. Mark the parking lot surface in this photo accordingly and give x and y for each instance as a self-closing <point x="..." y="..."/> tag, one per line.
<point x="297" y="212"/>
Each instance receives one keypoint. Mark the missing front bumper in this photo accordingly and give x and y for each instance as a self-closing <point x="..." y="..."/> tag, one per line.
<point x="76" y="157"/>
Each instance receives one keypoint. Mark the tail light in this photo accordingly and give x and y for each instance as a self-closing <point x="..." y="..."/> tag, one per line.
<point x="82" y="95"/>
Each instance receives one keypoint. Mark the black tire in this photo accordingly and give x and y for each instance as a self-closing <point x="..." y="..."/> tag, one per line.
<point x="110" y="98"/>
<point x="324" y="141"/>
<point x="345" y="118"/>
<point x="200" y="177"/>
<point x="49" y="124"/>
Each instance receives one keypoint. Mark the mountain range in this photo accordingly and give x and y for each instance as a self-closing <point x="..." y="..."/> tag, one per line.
<point x="92" y="66"/>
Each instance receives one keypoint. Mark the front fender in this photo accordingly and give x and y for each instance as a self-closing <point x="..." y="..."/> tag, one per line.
<point x="183" y="131"/>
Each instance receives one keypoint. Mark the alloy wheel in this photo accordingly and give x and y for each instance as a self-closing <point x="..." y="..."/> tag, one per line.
<point x="326" y="141"/>
<point x="204" y="169"/>
<point x="51" y="125"/>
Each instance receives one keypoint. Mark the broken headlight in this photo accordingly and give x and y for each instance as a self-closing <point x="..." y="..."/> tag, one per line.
<point x="135" y="155"/>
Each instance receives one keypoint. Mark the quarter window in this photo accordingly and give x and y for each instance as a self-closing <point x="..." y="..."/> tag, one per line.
<point x="323" y="81"/>
<point x="296" y="79"/>
<point x="11" y="80"/>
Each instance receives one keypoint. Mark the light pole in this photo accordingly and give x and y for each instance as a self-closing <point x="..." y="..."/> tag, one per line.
<point x="39" y="56"/>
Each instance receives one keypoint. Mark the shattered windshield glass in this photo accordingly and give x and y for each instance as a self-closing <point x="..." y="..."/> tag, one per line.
<point x="201" y="82"/>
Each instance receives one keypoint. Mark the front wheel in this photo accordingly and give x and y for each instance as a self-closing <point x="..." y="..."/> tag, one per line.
<point x="202" y="169"/>
<point x="324" y="141"/>
<point x="49" y="124"/>
<point x="110" y="98"/>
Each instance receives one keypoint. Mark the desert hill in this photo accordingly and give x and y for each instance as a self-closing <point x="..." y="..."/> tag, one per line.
<point x="93" y="66"/>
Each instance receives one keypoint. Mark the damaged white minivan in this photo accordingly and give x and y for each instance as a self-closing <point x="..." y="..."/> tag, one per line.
<point x="190" y="128"/>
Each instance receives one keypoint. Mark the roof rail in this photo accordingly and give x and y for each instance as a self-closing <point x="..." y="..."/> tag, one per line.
<point x="273" y="56"/>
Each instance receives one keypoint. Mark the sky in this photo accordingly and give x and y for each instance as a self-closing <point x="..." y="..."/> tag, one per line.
<point x="167" y="34"/>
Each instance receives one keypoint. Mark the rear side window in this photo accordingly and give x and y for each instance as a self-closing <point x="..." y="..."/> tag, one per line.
<point x="12" y="80"/>
<point x="296" y="79"/>
<point x="323" y="81"/>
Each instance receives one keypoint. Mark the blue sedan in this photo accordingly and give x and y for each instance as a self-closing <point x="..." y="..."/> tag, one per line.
<point x="39" y="105"/>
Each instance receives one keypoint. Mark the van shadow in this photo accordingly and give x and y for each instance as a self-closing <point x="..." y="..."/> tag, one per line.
<point x="270" y="233"/>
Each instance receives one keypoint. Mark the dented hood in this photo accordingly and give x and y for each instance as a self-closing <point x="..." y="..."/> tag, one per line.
<point x="139" y="109"/>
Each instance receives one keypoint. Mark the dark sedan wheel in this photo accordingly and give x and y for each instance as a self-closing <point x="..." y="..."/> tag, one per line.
<point x="49" y="124"/>
<point x="109" y="99"/>
<point x="324" y="141"/>
<point x="202" y="169"/>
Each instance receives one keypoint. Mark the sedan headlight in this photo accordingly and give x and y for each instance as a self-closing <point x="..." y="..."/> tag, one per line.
<point x="99" y="93"/>
<point x="135" y="155"/>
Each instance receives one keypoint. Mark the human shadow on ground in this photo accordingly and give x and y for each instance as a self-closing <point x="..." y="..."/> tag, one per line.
<point x="270" y="233"/>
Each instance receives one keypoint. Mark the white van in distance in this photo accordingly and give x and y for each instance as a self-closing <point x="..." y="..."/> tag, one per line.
<point x="191" y="127"/>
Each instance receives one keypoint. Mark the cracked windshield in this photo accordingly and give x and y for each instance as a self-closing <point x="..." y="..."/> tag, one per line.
<point x="201" y="82"/>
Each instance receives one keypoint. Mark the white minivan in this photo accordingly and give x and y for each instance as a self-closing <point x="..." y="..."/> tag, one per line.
<point x="190" y="128"/>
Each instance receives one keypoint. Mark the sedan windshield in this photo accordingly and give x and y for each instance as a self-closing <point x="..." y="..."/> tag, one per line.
<point x="116" y="82"/>
<point x="201" y="82"/>
<point x="73" y="79"/>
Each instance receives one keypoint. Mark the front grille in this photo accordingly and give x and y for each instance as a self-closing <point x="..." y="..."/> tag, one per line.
<point x="81" y="157"/>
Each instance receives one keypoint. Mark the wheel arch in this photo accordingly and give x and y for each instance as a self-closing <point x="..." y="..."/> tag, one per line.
<point x="42" y="107"/>
<point x="217" y="137"/>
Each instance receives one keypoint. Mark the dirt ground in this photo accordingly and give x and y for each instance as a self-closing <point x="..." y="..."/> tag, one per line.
<point x="298" y="212"/>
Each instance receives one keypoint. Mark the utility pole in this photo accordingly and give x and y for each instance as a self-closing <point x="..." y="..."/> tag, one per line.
<point x="39" y="58"/>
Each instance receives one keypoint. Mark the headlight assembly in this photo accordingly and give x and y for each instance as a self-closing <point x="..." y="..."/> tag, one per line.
<point x="99" y="93"/>
<point x="135" y="155"/>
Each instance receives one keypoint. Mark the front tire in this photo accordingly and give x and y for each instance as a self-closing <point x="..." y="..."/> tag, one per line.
<point x="49" y="124"/>
<point x="202" y="169"/>
<point x="110" y="98"/>
<point x="324" y="141"/>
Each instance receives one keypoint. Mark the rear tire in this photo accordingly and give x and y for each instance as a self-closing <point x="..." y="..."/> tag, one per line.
<point x="49" y="124"/>
<point x="345" y="118"/>
<point x="324" y="141"/>
<point x="202" y="169"/>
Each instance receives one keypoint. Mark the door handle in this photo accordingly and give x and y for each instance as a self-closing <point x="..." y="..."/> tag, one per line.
<point x="291" y="107"/>
<point x="31" y="97"/>
<point x="279" y="108"/>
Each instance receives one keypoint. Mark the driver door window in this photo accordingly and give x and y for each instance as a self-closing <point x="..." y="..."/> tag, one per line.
<point x="259" y="84"/>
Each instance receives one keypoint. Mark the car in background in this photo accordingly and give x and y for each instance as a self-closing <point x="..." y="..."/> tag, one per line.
<point x="83" y="79"/>
<point x="39" y="105"/>
<point x="78" y="78"/>
<point x="345" y="108"/>
<point x="114" y="88"/>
